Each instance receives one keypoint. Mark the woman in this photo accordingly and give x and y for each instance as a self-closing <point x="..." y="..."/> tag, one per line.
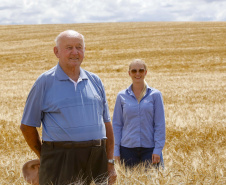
<point x="139" y="120"/>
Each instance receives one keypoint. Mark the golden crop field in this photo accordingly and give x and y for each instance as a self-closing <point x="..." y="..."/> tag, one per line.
<point x="186" y="62"/>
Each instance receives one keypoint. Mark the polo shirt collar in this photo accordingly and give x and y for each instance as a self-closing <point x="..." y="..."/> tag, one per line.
<point x="83" y="74"/>
<point x="61" y="75"/>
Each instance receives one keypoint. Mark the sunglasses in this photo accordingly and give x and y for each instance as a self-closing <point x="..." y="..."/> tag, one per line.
<point x="134" y="71"/>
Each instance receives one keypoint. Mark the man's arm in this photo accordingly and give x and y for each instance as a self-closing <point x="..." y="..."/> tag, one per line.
<point x="110" y="140"/>
<point x="32" y="138"/>
<point x="110" y="152"/>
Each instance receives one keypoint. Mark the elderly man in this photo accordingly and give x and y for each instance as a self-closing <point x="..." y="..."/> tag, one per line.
<point x="77" y="135"/>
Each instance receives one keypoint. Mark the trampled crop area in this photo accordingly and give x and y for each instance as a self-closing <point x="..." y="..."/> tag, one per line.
<point x="186" y="62"/>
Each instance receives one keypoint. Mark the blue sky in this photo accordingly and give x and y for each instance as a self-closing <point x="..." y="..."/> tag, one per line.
<point x="92" y="11"/>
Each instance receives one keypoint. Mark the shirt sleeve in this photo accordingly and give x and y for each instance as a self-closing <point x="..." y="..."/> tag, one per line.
<point x="117" y="123"/>
<point x="32" y="112"/>
<point x="159" y="124"/>
<point x="106" y="113"/>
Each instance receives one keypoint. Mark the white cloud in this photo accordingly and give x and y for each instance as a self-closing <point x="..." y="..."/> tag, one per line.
<point x="82" y="11"/>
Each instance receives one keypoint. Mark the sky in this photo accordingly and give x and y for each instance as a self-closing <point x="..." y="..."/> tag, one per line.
<point x="94" y="11"/>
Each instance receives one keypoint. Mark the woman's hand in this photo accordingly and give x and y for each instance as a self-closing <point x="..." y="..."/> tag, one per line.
<point x="155" y="158"/>
<point x="117" y="158"/>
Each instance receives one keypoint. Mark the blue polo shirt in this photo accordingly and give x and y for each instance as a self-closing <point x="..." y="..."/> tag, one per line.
<point x="67" y="114"/>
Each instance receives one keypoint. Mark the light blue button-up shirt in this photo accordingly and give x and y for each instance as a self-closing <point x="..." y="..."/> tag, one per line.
<point x="67" y="114"/>
<point x="139" y="124"/>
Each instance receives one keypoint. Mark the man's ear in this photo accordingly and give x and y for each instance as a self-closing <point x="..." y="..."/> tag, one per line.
<point x="84" y="51"/>
<point x="56" y="51"/>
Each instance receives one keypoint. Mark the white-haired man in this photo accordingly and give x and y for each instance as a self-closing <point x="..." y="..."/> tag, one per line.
<point x="70" y="103"/>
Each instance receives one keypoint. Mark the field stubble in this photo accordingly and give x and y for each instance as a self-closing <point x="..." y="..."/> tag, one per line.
<point x="186" y="62"/>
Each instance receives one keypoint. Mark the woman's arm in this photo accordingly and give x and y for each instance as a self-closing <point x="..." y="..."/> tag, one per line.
<point x="117" y="122"/>
<point x="159" y="124"/>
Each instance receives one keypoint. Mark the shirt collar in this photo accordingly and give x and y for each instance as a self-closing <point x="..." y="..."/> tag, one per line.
<point x="129" y="89"/>
<point x="83" y="74"/>
<point x="61" y="75"/>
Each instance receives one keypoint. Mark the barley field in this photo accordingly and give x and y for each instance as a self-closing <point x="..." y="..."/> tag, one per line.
<point x="186" y="62"/>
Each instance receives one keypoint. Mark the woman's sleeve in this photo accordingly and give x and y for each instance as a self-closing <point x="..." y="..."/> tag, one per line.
<point x="159" y="127"/>
<point x="117" y="123"/>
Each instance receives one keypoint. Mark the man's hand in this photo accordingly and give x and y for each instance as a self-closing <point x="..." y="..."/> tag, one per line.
<point x="112" y="174"/>
<point x="110" y="153"/>
<point x="155" y="158"/>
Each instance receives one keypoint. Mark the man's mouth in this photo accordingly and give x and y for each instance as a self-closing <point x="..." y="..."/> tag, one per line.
<point x="75" y="59"/>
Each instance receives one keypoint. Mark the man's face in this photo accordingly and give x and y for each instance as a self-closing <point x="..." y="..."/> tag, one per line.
<point x="70" y="51"/>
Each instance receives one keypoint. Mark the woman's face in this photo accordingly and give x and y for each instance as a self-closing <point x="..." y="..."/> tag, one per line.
<point x="137" y="72"/>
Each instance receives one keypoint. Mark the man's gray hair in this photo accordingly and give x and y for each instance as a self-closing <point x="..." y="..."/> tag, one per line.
<point x="70" y="33"/>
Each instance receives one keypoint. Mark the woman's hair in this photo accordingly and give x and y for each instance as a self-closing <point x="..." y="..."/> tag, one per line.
<point x="138" y="61"/>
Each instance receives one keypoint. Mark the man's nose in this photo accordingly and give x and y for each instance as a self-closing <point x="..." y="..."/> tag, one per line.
<point x="74" y="50"/>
